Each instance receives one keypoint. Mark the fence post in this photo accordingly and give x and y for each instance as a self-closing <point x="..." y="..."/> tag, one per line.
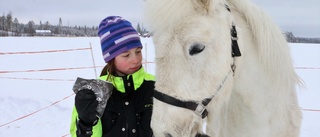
<point x="93" y="62"/>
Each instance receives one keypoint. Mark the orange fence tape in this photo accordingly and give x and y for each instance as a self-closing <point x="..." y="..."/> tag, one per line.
<point x="47" y="51"/>
<point x="25" y="116"/>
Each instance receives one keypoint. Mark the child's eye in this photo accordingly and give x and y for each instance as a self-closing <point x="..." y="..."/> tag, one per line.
<point x="125" y="55"/>
<point x="138" y="51"/>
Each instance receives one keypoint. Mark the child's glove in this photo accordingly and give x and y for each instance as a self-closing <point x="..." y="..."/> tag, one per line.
<point x="86" y="105"/>
<point x="91" y="99"/>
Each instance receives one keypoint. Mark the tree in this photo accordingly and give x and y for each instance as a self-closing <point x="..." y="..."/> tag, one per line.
<point x="2" y="22"/>
<point x="290" y="37"/>
<point x="15" y="25"/>
<point x="59" y="26"/>
<point x="46" y="25"/>
<point x="30" y="28"/>
<point x="2" y="25"/>
<point x="41" y="25"/>
<point x="139" y="29"/>
<point x="85" y="30"/>
<point x="60" y="22"/>
<point x="9" y="22"/>
<point x="142" y="31"/>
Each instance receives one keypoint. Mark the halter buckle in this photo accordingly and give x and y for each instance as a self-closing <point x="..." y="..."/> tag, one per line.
<point x="200" y="109"/>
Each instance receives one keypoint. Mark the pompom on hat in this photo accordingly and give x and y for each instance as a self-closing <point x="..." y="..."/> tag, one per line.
<point x="117" y="36"/>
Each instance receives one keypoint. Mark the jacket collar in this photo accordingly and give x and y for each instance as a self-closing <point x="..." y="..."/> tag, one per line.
<point x="138" y="77"/>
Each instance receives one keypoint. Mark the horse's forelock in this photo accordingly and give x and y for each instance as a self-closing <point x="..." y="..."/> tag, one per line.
<point x="163" y="15"/>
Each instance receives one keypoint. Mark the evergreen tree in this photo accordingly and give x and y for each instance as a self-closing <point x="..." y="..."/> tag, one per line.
<point x="15" y="25"/>
<point x="59" y="26"/>
<point x="41" y="25"/>
<point x="139" y="29"/>
<point x="2" y="22"/>
<point x="9" y="22"/>
<point x="30" y="28"/>
<point x="46" y="25"/>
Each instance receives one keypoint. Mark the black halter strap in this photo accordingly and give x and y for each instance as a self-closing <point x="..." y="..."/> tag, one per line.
<point x="199" y="108"/>
<point x="234" y="38"/>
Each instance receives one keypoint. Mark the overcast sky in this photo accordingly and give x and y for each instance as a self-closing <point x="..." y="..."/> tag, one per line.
<point x="302" y="17"/>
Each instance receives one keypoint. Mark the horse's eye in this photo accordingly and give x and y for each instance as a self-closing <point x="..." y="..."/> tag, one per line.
<point x="196" y="48"/>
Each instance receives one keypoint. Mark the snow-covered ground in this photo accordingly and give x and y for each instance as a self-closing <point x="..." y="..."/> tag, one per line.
<point x="37" y="75"/>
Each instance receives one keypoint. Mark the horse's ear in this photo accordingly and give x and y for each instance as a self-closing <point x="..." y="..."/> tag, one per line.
<point x="204" y="4"/>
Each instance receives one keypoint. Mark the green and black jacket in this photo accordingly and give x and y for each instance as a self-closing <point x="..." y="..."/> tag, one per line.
<point x="129" y="108"/>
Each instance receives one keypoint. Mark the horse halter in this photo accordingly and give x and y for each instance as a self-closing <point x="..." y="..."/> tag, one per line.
<point x="199" y="107"/>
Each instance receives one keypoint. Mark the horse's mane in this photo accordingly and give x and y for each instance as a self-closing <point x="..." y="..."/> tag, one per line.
<point x="272" y="46"/>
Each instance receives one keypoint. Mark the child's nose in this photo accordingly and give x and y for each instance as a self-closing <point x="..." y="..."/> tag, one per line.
<point x="135" y="59"/>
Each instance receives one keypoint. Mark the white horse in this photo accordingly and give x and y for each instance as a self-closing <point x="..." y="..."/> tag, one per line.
<point x="202" y="77"/>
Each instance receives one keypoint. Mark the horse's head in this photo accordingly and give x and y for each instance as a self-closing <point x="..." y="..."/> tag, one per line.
<point x="193" y="63"/>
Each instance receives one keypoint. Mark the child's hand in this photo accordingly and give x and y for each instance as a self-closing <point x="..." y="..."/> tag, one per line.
<point x="86" y="105"/>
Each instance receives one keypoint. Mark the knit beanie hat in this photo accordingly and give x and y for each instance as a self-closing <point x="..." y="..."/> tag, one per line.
<point x="117" y="36"/>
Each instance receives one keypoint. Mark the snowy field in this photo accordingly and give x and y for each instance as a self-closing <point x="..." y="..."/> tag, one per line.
<point x="37" y="75"/>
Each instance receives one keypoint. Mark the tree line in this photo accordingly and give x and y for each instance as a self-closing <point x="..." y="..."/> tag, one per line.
<point x="292" y="39"/>
<point x="10" y="26"/>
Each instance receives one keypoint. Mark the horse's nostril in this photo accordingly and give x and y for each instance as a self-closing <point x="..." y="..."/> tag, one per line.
<point x="167" y="135"/>
<point x="201" y="135"/>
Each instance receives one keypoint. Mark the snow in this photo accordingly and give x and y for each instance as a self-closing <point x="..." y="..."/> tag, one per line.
<point x="36" y="97"/>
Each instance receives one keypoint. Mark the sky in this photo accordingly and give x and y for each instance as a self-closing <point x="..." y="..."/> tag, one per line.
<point x="302" y="17"/>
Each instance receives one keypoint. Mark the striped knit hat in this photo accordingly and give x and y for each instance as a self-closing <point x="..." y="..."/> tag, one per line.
<point x="117" y="36"/>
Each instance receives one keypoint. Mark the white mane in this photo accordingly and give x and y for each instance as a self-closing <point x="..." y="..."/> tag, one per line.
<point x="273" y="48"/>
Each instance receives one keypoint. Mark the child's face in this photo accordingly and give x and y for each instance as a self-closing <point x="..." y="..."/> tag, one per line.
<point x="129" y="62"/>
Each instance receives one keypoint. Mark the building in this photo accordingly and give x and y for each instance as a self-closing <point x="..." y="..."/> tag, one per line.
<point x="43" y="33"/>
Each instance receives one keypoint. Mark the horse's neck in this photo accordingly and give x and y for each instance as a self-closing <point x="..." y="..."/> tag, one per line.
<point x="268" y="41"/>
<point x="264" y="81"/>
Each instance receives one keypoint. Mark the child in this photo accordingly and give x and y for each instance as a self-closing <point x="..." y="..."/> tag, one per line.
<point x="129" y="108"/>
